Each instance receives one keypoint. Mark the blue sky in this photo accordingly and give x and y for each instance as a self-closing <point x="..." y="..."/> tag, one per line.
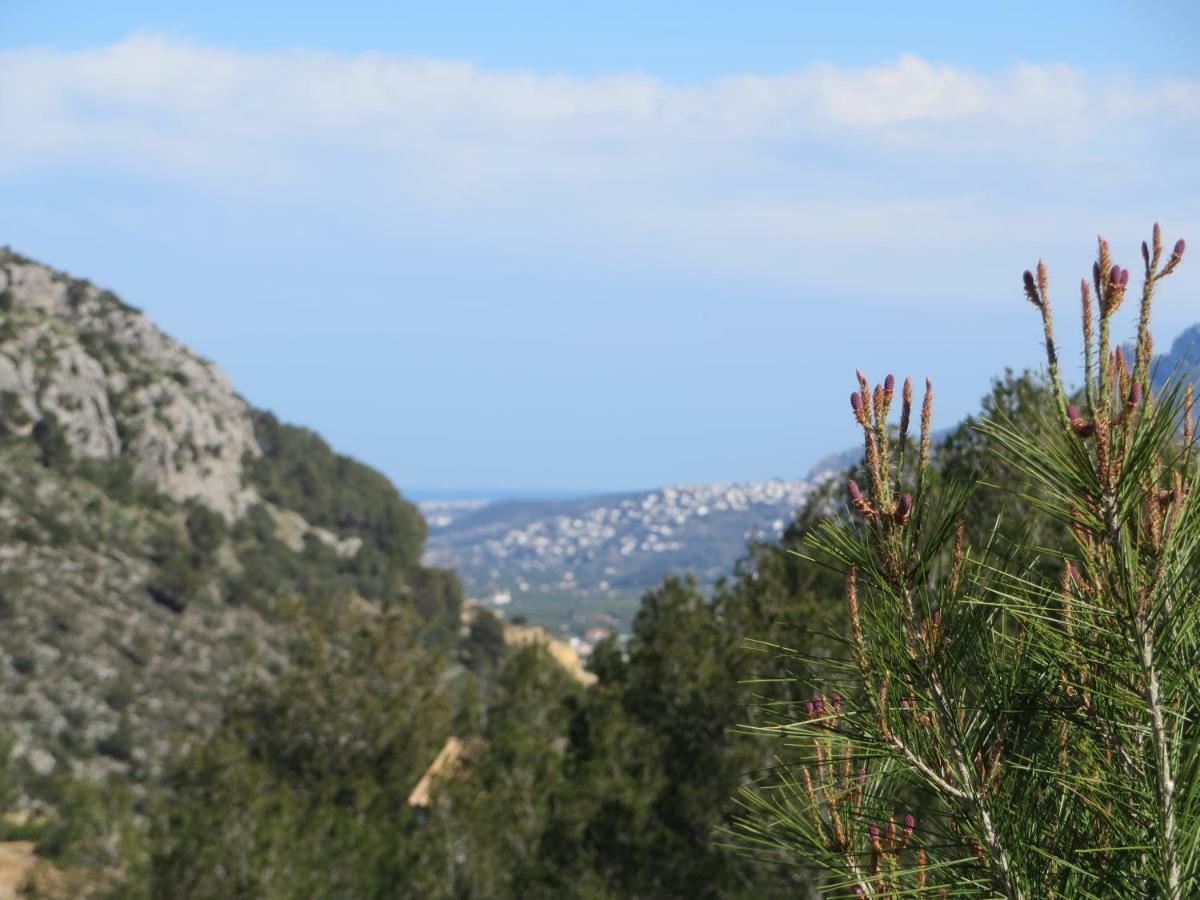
<point x="567" y="247"/>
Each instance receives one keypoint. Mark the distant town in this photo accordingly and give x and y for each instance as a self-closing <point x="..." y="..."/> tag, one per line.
<point x="579" y="566"/>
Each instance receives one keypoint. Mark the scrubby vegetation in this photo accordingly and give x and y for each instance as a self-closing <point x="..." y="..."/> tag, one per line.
<point x="626" y="788"/>
<point x="956" y="635"/>
<point x="299" y="471"/>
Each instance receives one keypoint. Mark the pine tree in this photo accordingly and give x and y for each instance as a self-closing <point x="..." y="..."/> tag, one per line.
<point x="994" y="730"/>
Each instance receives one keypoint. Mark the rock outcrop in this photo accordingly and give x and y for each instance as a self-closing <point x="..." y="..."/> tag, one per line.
<point x="76" y="357"/>
<point x="128" y="610"/>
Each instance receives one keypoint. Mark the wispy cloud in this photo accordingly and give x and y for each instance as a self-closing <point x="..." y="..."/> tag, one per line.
<point x="731" y="170"/>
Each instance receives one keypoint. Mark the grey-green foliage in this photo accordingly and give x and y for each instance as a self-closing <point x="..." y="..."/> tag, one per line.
<point x="1029" y="705"/>
<point x="299" y="471"/>
<point x="620" y="790"/>
<point x="301" y="793"/>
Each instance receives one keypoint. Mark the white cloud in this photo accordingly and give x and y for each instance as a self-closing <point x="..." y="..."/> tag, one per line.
<point x="256" y="104"/>
<point x="728" y="171"/>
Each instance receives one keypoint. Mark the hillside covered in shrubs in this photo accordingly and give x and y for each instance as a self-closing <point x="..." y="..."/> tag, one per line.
<point x="235" y="696"/>
<point x="162" y="542"/>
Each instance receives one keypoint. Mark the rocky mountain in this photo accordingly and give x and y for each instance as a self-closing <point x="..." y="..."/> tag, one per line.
<point x="1181" y="361"/>
<point x="161" y="539"/>
<point x="76" y="357"/>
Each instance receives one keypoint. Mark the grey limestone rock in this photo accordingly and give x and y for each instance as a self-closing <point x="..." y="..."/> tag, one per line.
<point x="116" y="384"/>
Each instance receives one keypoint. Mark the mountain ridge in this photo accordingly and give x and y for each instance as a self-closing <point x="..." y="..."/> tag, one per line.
<point x="117" y="386"/>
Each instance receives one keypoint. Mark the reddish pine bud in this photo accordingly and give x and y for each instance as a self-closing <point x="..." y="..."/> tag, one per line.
<point x="811" y="708"/>
<point x="873" y="830"/>
<point x="903" y="509"/>
<point x="1031" y="290"/>
<point x="910" y="821"/>
<point x="905" y="406"/>
<point x="856" y="405"/>
<point x="837" y="701"/>
<point x="889" y="383"/>
<point x="1176" y="256"/>
<point x="858" y="501"/>
<point x="1146" y="253"/>
<point x="1124" y="277"/>
<point x="1081" y="426"/>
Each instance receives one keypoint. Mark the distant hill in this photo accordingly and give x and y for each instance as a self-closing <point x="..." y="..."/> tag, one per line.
<point x="1182" y="360"/>
<point x="613" y="545"/>
<point x="844" y="459"/>
<point x="545" y="555"/>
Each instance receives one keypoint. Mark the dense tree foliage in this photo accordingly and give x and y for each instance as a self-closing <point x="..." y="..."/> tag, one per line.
<point x="301" y="793"/>
<point x="626" y="788"/>
<point x="298" y="470"/>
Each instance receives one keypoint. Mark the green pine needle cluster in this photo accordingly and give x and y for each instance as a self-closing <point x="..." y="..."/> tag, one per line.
<point x="1012" y="716"/>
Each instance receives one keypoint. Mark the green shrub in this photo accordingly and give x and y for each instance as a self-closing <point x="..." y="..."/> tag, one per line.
<point x="120" y="694"/>
<point x="206" y="529"/>
<point x="119" y="744"/>
<point x="116" y="478"/>
<point x="177" y="583"/>
<point x="12" y="413"/>
<point x="53" y="450"/>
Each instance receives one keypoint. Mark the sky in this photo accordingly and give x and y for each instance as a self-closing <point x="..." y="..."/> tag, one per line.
<point x="569" y="248"/>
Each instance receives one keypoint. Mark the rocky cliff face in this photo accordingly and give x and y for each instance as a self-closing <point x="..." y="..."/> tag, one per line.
<point x="160" y="540"/>
<point x="75" y="356"/>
